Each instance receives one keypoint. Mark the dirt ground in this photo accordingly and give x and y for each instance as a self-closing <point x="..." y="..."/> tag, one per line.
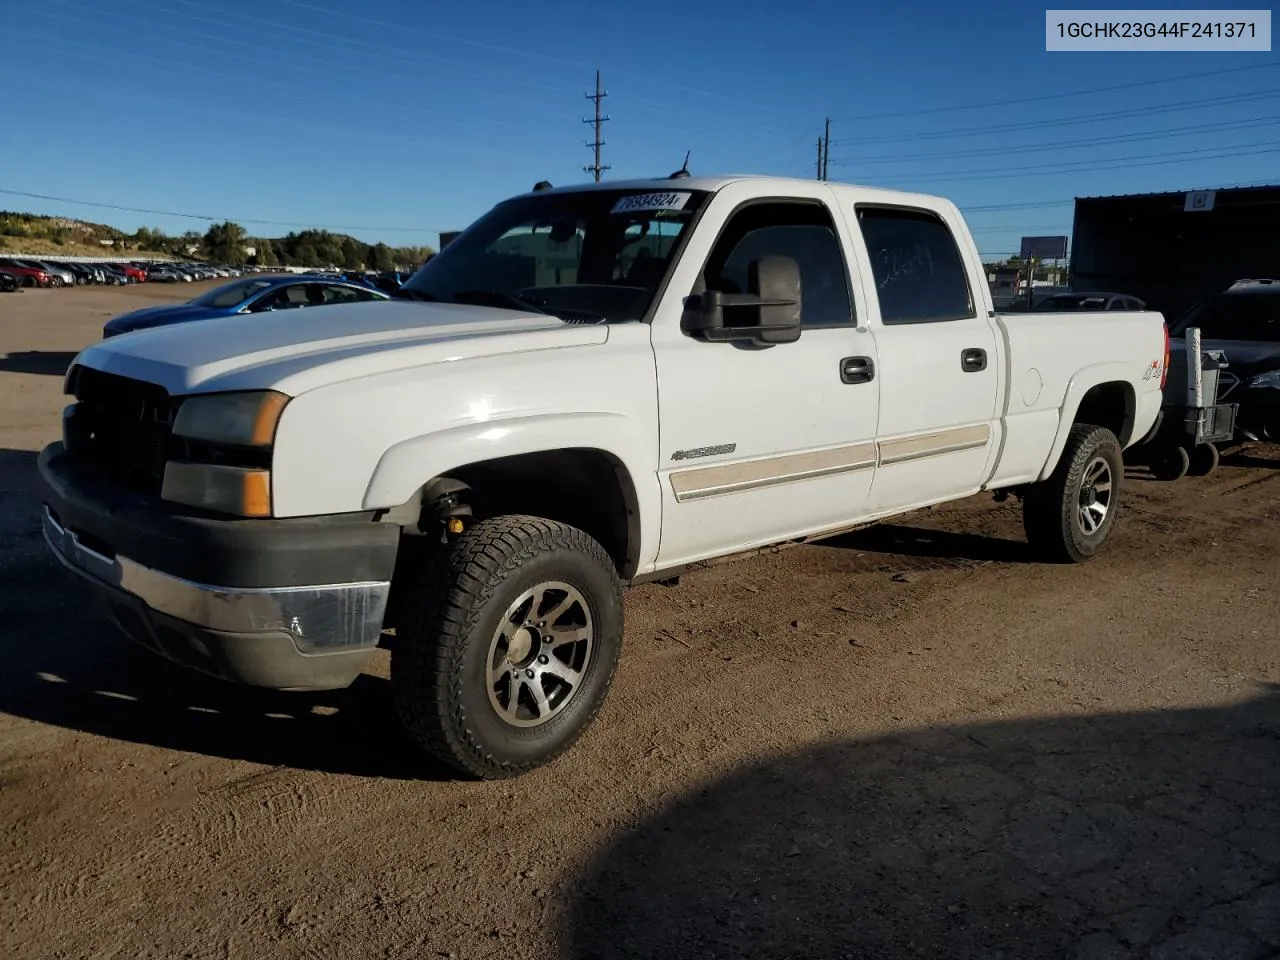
<point x="909" y="742"/>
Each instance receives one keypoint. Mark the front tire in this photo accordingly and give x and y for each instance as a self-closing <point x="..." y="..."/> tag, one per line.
<point x="508" y="645"/>
<point x="1069" y="516"/>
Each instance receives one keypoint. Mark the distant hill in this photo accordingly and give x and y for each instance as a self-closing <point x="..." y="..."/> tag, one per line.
<point x="51" y="236"/>
<point x="225" y="243"/>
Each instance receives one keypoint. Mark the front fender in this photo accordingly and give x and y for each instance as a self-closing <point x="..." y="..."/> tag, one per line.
<point x="410" y="463"/>
<point x="1081" y="383"/>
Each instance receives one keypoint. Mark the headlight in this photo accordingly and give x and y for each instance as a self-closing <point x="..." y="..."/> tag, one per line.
<point x="226" y="420"/>
<point x="242" y="419"/>
<point x="244" y="491"/>
<point x="1270" y="379"/>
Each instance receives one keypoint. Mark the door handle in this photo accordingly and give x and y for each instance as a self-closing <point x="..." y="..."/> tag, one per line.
<point x="973" y="359"/>
<point x="857" y="370"/>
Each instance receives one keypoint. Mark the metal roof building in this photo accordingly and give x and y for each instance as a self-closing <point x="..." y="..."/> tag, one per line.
<point x="1171" y="249"/>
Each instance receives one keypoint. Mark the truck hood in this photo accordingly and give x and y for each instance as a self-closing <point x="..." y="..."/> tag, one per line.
<point x="298" y="350"/>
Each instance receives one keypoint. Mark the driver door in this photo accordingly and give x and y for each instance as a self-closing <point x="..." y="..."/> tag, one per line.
<point x="759" y="445"/>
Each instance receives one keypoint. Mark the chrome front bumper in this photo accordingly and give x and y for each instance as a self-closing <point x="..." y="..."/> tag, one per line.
<point x="284" y="637"/>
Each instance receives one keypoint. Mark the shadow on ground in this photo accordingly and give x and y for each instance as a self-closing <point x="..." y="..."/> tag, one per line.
<point x="65" y="665"/>
<point x="910" y="541"/>
<point x="1148" y="835"/>
<point x="51" y="363"/>
<point x="1251" y="456"/>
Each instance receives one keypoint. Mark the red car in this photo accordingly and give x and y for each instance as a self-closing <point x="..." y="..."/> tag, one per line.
<point x="29" y="276"/>
<point x="134" y="274"/>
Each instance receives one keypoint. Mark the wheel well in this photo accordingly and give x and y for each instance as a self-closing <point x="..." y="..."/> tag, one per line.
<point x="585" y="488"/>
<point x="1109" y="405"/>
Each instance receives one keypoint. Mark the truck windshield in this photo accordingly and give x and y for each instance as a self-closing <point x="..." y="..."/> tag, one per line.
<point x="1234" y="317"/>
<point x="586" y="256"/>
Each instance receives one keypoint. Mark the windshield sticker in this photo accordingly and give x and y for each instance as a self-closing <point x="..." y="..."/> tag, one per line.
<point x="651" y="201"/>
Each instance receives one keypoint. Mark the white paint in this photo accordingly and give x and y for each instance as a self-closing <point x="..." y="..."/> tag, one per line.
<point x="1032" y="384"/>
<point x="1195" y="380"/>
<point x="388" y="395"/>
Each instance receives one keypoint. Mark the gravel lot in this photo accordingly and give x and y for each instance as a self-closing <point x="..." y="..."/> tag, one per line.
<point x="909" y="742"/>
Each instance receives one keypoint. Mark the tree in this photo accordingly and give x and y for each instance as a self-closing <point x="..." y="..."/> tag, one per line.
<point x="225" y="242"/>
<point x="383" y="258"/>
<point x="352" y="255"/>
<point x="266" y="253"/>
<point x="306" y="256"/>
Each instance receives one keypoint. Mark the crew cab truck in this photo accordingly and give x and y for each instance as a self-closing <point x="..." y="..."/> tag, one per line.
<point x="591" y="387"/>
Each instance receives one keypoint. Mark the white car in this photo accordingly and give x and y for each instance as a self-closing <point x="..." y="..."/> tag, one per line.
<point x="591" y="387"/>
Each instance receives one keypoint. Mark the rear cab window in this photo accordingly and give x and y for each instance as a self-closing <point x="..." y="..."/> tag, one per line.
<point x="919" y="273"/>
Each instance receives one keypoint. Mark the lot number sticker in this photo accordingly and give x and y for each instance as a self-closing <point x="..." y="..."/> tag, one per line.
<point x="651" y="201"/>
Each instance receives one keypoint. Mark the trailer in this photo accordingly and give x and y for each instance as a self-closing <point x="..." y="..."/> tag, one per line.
<point x="1192" y="419"/>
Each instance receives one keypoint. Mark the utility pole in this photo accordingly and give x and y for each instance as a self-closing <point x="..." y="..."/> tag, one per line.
<point x="826" y="148"/>
<point x="596" y="168"/>
<point x="819" y="158"/>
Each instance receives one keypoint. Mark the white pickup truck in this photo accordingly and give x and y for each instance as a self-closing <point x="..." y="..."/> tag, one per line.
<point x="591" y="387"/>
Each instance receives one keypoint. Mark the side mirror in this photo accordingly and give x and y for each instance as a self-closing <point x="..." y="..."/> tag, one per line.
<point x="768" y="314"/>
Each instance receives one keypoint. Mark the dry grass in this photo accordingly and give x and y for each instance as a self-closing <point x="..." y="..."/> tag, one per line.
<point x="39" y="247"/>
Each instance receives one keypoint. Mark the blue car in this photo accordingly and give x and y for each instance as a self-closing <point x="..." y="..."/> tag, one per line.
<point x="247" y="295"/>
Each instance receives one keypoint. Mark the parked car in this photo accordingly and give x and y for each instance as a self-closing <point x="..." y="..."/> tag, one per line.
<point x="9" y="282"/>
<point x="79" y="274"/>
<point x="113" y="275"/>
<point x="132" y="272"/>
<point x="86" y="273"/>
<point x="1088" y="300"/>
<point x="163" y="273"/>
<point x="32" y="276"/>
<point x="390" y="281"/>
<point x="58" y="276"/>
<point x="513" y="447"/>
<point x="247" y="295"/>
<point x="1244" y="323"/>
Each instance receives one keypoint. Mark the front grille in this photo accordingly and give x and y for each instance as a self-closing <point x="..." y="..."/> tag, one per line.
<point x="122" y="426"/>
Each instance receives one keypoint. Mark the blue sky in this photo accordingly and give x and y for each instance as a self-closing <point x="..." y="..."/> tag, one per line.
<point x="393" y="120"/>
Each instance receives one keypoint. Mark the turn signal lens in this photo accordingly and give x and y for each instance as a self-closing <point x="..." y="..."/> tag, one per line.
<point x="242" y="491"/>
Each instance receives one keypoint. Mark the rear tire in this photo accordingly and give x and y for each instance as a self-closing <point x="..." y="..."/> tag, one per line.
<point x="1069" y="516"/>
<point x="507" y="646"/>
<point x="1171" y="464"/>
<point x="1203" y="460"/>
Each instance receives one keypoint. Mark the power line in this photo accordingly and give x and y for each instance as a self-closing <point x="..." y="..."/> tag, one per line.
<point x="1068" y="144"/>
<point x="329" y="38"/>
<point x="826" y="149"/>
<point x="988" y="129"/>
<point x="211" y="219"/>
<point x="576" y="64"/>
<point x="1114" y="163"/>
<point x="1042" y="204"/>
<point x="276" y="56"/>
<point x="596" y="168"/>
<point x="1062" y="96"/>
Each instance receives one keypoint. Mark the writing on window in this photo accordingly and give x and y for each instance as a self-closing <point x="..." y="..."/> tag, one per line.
<point x="918" y="271"/>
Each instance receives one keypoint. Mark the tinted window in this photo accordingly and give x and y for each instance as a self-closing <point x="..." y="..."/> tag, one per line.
<point x="346" y="295"/>
<point x="230" y="294"/>
<point x="917" y="267"/>
<point x="1238" y="317"/>
<point x="801" y="231"/>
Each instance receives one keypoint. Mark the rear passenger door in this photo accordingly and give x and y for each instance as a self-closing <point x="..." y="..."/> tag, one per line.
<point x="937" y="369"/>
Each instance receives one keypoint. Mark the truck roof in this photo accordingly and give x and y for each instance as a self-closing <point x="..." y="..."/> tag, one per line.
<point x="712" y="184"/>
